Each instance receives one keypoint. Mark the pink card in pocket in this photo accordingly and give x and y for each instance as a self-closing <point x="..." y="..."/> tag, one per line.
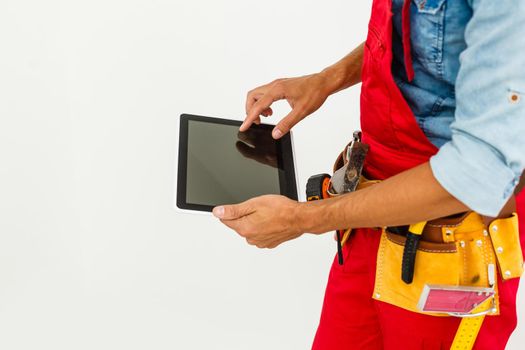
<point x="453" y="299"/>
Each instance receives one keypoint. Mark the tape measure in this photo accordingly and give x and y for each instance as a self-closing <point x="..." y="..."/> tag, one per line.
<point x="317" y="187"/>
<point x="467" y="333"/>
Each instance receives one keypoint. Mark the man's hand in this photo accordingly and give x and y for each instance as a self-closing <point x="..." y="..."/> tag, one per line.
<point x="265" y="221"/>
<point x="304" y="94"/>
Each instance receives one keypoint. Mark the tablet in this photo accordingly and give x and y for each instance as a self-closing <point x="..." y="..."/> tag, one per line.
<point x="217" y="164"/>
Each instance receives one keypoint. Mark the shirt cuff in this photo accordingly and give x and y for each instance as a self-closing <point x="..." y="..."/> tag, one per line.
<point x="474" y="173"/>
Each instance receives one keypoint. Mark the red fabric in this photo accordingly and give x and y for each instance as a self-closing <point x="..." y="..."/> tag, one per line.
<point x="350" y="318"/>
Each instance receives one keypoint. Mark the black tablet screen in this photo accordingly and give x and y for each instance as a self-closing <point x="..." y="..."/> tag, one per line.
<point x="224" y="166"/>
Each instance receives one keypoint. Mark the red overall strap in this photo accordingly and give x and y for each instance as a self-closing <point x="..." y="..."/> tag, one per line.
<point x="407" y="53"/>
<point x="390" y="128"/>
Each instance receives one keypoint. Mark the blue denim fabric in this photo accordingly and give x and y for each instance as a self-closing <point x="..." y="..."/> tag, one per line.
<point x="467" y="94"/>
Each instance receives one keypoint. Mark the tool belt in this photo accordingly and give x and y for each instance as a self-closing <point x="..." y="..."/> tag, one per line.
<point x="466" y="249"/>
<point x="423" y="266"/>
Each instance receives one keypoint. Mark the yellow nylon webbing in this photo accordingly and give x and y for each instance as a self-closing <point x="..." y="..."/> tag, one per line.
<point x="469" y="328"/>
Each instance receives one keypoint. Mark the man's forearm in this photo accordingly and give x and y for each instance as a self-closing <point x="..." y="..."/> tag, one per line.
<point x="346" y="72"/>
<point x="409" y="197"/>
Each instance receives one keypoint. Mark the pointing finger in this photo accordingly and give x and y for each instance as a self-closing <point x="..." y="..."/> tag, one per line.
<point x="256" y="111"/>
<point x="252" y="97"/>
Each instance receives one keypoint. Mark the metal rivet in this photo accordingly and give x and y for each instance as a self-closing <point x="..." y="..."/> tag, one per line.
<point x="495" y="228"/>
<point x="507" y="273"/>
<point x="479" y="293"/>
<point x="378" y="296"/>
<point x="479" y="242"/>
<point x="485" y="233"/>
<point x="499" y="250"/>
<point x="448" y="232"/>
<point x="462" y="244"/>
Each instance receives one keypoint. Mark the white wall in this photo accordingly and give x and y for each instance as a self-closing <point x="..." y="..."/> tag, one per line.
<point x="92" y="255"/>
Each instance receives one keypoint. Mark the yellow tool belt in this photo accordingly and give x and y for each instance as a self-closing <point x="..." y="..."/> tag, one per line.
<point x="464" y="258"/>
<point x="456" y="250"/>
<point x="465" y="249"/>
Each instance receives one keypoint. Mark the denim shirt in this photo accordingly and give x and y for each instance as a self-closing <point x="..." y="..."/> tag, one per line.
<point x="467" y="93"/>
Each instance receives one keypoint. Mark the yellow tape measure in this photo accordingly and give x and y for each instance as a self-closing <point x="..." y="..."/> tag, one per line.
<point x="467" y="333"/>
<point x="469" y="328"/>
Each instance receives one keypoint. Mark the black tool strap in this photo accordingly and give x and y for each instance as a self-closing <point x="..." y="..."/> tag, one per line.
<point x="409" y="257"/>
<point x="339" y="247"/>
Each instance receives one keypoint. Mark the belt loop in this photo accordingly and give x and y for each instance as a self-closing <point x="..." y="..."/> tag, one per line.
<point x="406" y="40"/>
<point x="448" y="233"/>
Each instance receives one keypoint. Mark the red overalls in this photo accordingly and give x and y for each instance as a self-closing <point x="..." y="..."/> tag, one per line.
<point x="350" y="318"/>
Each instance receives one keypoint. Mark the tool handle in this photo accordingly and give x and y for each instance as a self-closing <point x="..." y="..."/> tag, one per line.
<point x="409" y="253"/>
<point x="339" y="248"/>
<point x="409" y="257"/>
<point x="417" y="228"/>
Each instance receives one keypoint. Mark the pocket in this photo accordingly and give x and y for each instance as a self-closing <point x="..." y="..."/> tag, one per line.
<point x="435" y="264"/>
<point x="374" y="43"/>
<point x="453" y="264"/>
<point x="504" y="234"/>
<point x="427" y="31"/>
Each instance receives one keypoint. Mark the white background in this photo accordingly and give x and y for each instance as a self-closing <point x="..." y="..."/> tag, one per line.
<point x="92" y="254"/>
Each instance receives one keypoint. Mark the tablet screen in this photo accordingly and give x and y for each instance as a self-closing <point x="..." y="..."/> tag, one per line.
<point x="220" y="165"/>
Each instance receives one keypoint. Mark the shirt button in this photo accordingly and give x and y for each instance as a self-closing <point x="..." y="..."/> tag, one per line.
<point x="514" y="97"/>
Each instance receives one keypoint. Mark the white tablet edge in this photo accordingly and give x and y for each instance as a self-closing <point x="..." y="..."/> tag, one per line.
<point x="301" y="196"/>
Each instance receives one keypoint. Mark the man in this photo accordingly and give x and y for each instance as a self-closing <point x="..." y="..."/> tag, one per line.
<point x="441" y="109"/>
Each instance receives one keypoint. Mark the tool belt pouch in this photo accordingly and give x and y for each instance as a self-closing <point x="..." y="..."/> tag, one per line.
<point x="460" y="258"/>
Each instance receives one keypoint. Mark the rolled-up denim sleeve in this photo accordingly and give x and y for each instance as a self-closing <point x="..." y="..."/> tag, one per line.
<point x="482" y="163"/>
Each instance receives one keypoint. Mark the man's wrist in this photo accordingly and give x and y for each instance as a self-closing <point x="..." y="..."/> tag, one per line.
<point x="345" y="73"/>
<point x="333" y="79"/>
<point x="303" y="217"/>
<point x="315" y="217"/>
<point x="326" y="215"/>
